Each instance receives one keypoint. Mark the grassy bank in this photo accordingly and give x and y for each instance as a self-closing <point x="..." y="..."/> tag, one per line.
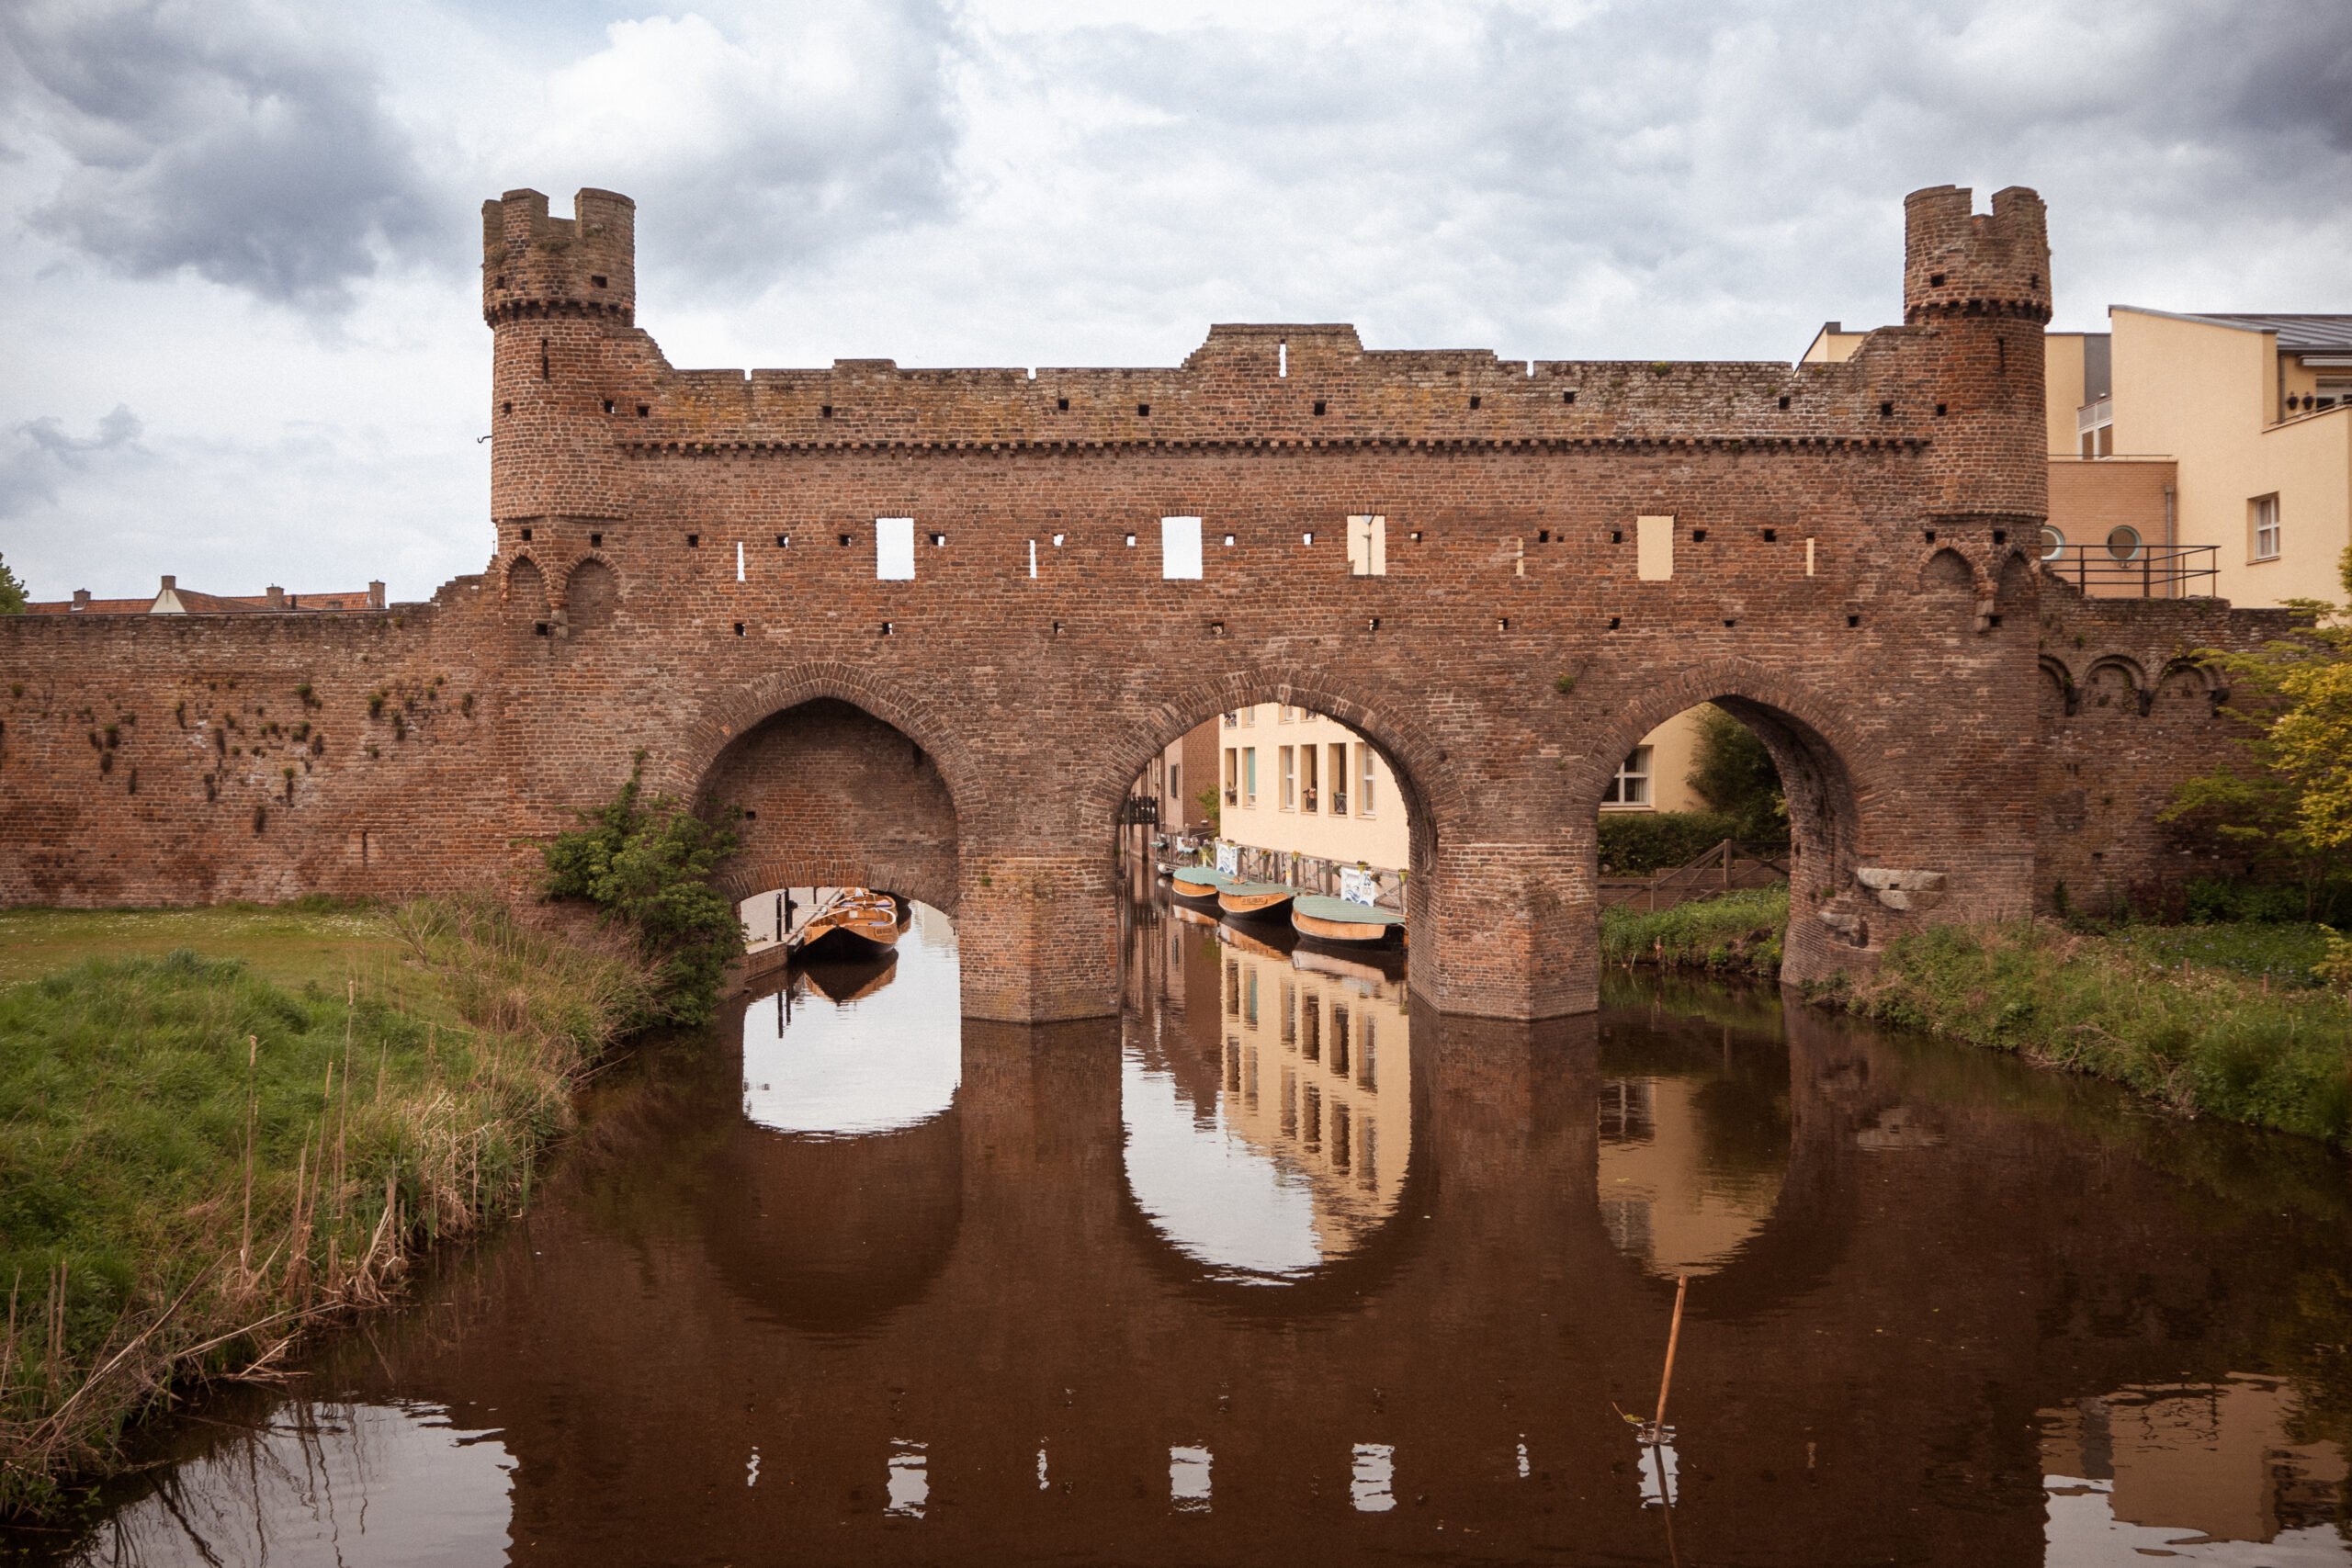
<point x="204" y="1152"/>
<point x="2225" y="1019"/>
<point x="1739" y="934"/>
<point x="2192" y="1017"/>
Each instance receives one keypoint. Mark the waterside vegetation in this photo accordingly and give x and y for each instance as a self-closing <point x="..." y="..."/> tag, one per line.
<point x="200" y="1160"/>
<point x="2245" y="1021"/>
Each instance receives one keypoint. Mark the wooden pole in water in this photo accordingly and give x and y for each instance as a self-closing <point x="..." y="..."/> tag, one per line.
<point x="1673" y="1339"/>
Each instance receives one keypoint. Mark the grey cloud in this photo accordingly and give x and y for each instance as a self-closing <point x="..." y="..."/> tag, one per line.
<point x="37" y="450"/>
<point x="221" y="141"/>
<point x="755" y="160"/>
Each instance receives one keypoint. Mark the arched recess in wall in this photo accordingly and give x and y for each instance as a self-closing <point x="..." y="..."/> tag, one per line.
<point x="833" y="795"/>
<point x="1947" y="582"/>
<point x="1821" y="771"/>
<point x="2113" y="688"/>
<point x="527" y="598"/>
<point x="2185" y="693"/>
<point x="2017" y="594"/>
<point x="592" y="595"/>
<point x="2055" y="693"/>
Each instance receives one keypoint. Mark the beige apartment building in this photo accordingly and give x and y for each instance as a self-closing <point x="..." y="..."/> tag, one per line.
<point x="2194" y="453"/>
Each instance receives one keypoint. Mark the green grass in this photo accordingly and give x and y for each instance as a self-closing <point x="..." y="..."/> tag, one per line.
<point x="2212" y="1039"/>
<point x="2283" y="951"/>
<point x="1735" y="933"/>
<point x="291" y="944"/>
<point x="373" y="1079"/>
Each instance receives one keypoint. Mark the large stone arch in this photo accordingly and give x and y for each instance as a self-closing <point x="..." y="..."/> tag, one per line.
<point x="725" y="713"/>
<point x="1828" y="776"/>
<point x="1436" y="802"/>
<point x="834" y="793"/>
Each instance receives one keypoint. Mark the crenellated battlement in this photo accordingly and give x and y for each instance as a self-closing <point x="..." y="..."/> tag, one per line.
<point x="533" y="264"/>
<point x="1959" y="260"/>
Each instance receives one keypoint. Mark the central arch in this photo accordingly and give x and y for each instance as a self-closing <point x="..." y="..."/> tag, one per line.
<point x="1433" y="795"/>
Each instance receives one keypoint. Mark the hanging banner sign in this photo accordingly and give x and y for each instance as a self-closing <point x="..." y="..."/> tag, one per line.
<point x="1358" y="885"/>
<point x="1229" y="859"/>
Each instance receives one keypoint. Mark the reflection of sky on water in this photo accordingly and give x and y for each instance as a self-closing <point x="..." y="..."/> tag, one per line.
<point x="891" y="1059"/>
<point x="363" y="1485"/>
<point x="1224" y="1202"/>
<point x="1269" y="1123"/>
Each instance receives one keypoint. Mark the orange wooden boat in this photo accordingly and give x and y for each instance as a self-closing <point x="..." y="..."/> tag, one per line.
<point x="857" y="922"/>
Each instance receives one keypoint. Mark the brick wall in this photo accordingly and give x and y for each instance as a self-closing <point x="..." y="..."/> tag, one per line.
<point x="1852" y="574"/>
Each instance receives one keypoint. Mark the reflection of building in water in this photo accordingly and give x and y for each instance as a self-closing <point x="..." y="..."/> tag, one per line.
<point x="1316" y="1071"/>
<point x="1268" y="1106"/>
<point x="2164" y="1471"/>
<point x="1685" y="1175"/>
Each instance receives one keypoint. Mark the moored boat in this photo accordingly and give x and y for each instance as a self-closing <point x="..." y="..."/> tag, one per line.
<point x="1342" y="921"/>
<point x="1255" y="900"/>
<point x="857" y="923"/>
<point x="1196" y="885"/>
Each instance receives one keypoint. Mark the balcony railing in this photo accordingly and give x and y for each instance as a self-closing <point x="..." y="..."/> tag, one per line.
<point x="2091" y="415"/>
<point x="2150" y="571"/>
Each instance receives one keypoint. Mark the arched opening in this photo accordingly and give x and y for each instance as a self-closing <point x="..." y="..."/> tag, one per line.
<point x="526" y="600"/>
<point x="1742" y="794"/>
<point x="829" y="796"/>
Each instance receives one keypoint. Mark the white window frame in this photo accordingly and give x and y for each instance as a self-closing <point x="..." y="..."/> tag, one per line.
<point x="1364" y="778"/>
<point x="1249" y="777"/>
<point x="1336" y="765"/>
<point x="1288" y="769"/>
<point x="894" y="549"/>
<point x="1631" y="787"/>
<point x="2262" y="518"/>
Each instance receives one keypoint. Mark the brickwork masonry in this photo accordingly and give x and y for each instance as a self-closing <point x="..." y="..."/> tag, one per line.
<point x="684" y="556"/>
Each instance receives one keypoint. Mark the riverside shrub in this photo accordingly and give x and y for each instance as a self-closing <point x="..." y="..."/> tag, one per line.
<point x="647" y="863"/>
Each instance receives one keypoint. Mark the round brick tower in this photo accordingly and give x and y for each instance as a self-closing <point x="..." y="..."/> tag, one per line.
<point x="1980" y="282"/>
<point x="556" y="293"/>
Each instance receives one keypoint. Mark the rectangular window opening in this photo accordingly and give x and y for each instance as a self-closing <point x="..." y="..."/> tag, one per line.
<point x="1289" y="772"/>
<point x="1033" y="558"/>
<point x="1180" y="548"/>
<point x="1364" y="780"/>
<point x="894" y="549"/>
<point x="738" y="560"/>
<point x="1654" y="548"/>
<point x="1368" y="545"/>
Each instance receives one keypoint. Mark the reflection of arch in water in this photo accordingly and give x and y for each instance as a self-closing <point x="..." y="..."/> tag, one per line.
<point x="1791" y="1250"/>
<point x="1271" y="1139"/>
<point x="1693" y="1146"/>
<point x="831" y="1234"/>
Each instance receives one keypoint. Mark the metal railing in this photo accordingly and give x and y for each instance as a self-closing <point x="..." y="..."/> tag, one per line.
<point x="2150" y="571"/>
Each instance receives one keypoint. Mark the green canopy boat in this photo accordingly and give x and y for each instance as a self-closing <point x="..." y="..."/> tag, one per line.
<point x="1341" y="920"/>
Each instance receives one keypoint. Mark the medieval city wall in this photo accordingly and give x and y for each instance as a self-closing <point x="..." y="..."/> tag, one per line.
<point x="683" y="556"/>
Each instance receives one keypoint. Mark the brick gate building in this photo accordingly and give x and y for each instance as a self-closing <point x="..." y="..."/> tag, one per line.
<point x="844" y="599"/>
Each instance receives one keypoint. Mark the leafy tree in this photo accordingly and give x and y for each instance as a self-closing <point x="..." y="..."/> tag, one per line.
<point x="2287" y="804"/>
<point x="1732" y="773"/>
<point x="1212" y="806"/>
<point x="647" y="863"/>
<point x="12" y="591"/>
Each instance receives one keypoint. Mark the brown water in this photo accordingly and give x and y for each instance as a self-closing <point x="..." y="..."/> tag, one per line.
<point x="1282" y="1269"/>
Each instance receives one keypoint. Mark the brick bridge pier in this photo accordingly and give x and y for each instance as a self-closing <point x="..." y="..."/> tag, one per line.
<point x="919" y="625"/>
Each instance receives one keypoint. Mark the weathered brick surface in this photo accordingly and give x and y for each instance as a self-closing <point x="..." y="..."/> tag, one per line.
<point x="1852" y="576"/>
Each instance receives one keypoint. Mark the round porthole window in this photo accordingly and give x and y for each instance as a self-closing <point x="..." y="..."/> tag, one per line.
<point x="2053" y="543"/>
<point x="2123" y="544"/>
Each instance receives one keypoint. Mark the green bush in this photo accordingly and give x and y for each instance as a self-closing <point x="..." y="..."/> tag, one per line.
<point x="647" y="864"/>
<point x="1634" y="843"/>
<point x="1733" y="774"/>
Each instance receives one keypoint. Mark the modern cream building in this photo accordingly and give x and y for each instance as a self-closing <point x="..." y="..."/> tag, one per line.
<point x="2195" y="453"/>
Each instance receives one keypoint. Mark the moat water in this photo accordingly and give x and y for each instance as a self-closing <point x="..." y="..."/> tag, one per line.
<point x="1279" y="1267"/>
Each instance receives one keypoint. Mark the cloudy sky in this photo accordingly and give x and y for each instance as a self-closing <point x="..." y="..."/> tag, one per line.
<point x="239" y="319"/>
